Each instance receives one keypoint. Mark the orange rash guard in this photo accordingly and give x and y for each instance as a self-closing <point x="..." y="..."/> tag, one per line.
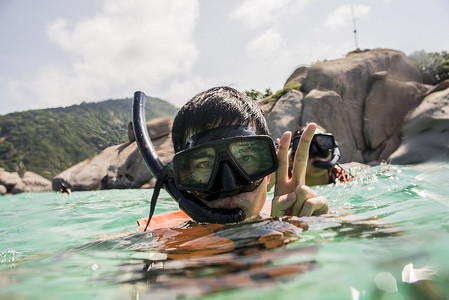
<point x="174" y="218"/>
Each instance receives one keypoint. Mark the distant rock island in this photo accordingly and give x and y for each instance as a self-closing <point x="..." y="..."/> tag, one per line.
<point x="375" y="102"/>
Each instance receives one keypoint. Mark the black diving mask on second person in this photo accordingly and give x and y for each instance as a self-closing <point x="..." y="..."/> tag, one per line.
<point x="322" y="145"/>
<point x="224" y="162"/>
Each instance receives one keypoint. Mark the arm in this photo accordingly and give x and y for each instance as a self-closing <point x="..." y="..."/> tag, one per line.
<point x="291" y="195"/>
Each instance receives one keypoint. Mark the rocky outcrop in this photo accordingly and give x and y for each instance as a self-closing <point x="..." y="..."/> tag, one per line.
<point x="362" y="99"/>
<point x="425" y="131"/>
<point x="3" y="190"/>
<point x="372" y="101"/>
<point x="13" y="183"/>
<point x="88" y="174"/>
<point x="128" y="169"/>
<point x="120" y="166"/>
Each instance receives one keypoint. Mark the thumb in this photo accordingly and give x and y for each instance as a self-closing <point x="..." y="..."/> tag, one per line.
<point x="281" y="203"/>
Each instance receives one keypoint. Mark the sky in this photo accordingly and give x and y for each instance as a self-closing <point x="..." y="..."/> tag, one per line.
<point x="65" y="52"/>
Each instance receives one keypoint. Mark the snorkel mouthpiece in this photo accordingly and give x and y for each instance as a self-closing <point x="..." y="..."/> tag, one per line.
<point x="187" y="202"/>
<point x="328" y="165"/>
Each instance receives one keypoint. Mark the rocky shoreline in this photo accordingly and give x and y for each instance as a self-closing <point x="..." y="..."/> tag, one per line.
<point x="376" y="103"/>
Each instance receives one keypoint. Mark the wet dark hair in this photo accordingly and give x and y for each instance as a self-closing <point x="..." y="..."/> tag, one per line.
<point x="216" y="107"/>
<point x="300" y="131"/>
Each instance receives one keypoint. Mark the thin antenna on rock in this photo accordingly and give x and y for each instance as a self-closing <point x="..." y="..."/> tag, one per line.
<point x="354" y="27"/>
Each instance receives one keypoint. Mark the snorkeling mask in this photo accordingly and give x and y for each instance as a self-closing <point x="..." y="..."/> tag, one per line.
<point x="224" y="162"/>
<point x="230" y="165"/>
<point x="322" y="145"/>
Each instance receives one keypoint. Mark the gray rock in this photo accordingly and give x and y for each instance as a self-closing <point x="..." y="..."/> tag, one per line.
<point x="29" y="182"/>
<point x="3" y="190"/>
<point x="9" y="180"/>
<point x="285" y="114"/>
<point x="119" y="166"/>
<point x="385" y="108"/>
<point x="425" y="131"/>
<point x="297" y="76"/>
<point x="361" y="98"/>
<point x="128" y="170"/>
<point x="156" y="128"/>
<point x="326" y="109"/>
<point x="88" y="174"/>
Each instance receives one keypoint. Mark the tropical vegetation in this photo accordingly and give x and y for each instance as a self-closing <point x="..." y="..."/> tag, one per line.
<point x="48" y="141"/>
<point x="435" y="63"/>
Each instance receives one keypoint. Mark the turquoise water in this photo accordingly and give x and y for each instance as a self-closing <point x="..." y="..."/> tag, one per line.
<point x="86" y="246"/>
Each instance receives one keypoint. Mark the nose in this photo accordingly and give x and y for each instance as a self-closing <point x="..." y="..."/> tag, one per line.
<point x="227" y="178"/>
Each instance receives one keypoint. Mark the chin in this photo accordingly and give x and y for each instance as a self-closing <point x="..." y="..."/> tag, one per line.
<point x="250" y="202"/>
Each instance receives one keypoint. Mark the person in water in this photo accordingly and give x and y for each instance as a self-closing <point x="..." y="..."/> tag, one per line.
<point x="224" y="157"/>
<point x="322" y="166"/>
<point x="324" y="154"/>
<point x="65" y="189"/>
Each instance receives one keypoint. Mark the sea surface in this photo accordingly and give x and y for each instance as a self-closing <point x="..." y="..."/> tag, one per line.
<point x="386" y="237"/>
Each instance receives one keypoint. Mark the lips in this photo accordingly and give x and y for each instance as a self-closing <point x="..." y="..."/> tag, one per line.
<point x="226" y="203"/>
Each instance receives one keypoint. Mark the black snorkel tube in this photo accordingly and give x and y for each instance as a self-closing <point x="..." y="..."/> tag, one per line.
<point x="187" y="202"/>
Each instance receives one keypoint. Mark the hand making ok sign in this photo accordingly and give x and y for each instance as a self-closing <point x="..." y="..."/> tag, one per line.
<point x="291" y="196"/>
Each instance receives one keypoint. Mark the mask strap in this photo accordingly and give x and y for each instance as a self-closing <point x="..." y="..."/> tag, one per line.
<point x="157" y="188"/>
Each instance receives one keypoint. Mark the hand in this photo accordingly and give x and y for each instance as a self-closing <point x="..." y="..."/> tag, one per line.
<point x="291" y="196"/>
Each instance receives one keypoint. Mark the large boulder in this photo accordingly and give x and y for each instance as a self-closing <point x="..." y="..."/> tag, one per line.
<point x="326" y="109"/>
<point x="13" y="183"/>
<point x="362" y="99"/>
<point x="280" y="116"/>
<point x="157" y="128"/>
<point x="88" y="174"/>
<point x="119" y="166"/>
<point x="385" y="108"/>
<point x="9" y="179"/>
<point x="128" y="169"/>
<point x="32" y="182"/>
<point x="425" y="131"/>
<point x="3" y="190"/>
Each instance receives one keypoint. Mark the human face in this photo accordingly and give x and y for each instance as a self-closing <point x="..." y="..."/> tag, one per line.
<point x="250" y="202"/>
<point x="314" y="171"/>
<point x="224" y="162"/>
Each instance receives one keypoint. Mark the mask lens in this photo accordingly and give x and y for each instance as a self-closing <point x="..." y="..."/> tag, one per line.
<point x="322" y="145"/>
<point x="195" y="167"/>
<point x="324" y="142"/>
<point x="245" y="160"/>
<point x="254" y="157"/>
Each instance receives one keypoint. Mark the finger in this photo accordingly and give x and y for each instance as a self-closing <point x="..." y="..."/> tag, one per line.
<point x="271" y="182"/>
<point x="315" y="206"/>
<point x="282" y="154"/>
<point x="303" y="192"/>
<point x="302" y="155"/>
<point x="281" y="204"/>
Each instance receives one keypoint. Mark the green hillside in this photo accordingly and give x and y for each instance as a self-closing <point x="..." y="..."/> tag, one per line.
<point x="48" y="141"/>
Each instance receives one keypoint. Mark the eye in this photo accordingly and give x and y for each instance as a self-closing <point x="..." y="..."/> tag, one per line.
<point x="203" y="164"/>
<point x="246" y="158"/>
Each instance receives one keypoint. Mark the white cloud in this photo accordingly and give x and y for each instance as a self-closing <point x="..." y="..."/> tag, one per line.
<point x="342" y="16"/>
<point x="256" y="13"/>
<point x="128" y="46"/>
<point x="265" y="46"/>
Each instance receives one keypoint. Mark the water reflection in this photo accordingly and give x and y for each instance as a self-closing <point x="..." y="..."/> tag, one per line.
<point x="197" y="259"/>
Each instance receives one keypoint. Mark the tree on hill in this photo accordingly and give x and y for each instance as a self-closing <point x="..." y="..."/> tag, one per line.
<point x="48" y="141"/>
<point x="437" y="64"/>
